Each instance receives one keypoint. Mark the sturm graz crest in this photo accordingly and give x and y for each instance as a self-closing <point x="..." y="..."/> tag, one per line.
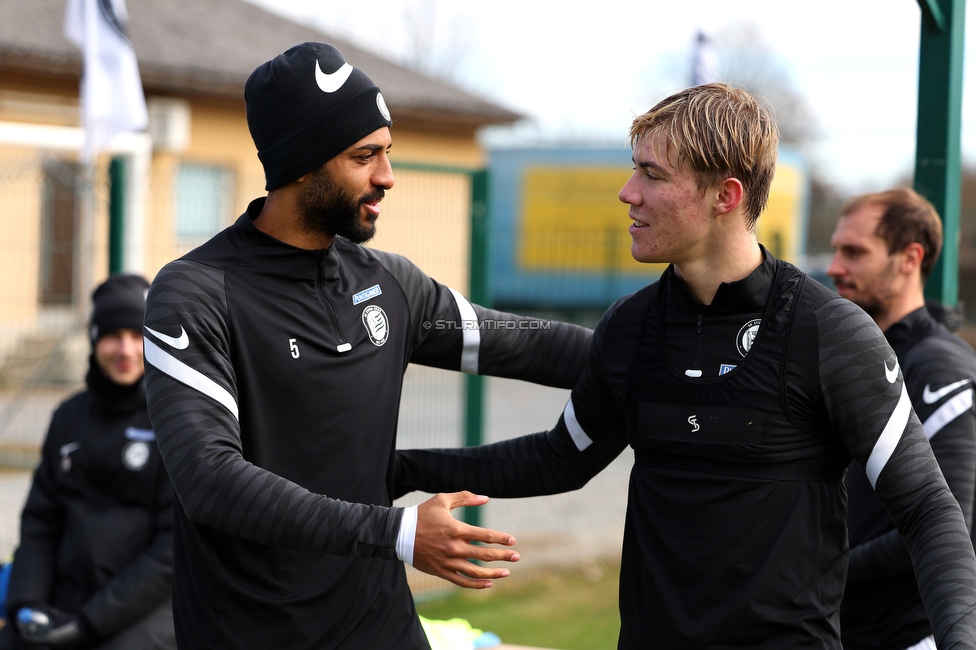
<point x="135" y="455"/>
<point x="747" y="335"/>
<point x="377" y="325"/>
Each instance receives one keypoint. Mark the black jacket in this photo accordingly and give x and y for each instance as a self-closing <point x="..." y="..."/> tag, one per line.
<point x="743" y="416"/>
<point x="273" y="378"/>
<point x="97" y="528"/>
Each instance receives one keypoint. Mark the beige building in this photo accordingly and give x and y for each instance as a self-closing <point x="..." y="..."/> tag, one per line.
<point x="196" y="169"/>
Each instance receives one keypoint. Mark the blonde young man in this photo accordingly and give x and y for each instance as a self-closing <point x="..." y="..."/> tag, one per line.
<point x="885" y="245"/>
<point x="745" y="389"/>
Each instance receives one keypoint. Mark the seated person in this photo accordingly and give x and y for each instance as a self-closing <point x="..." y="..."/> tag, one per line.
<point x="94" y="565"/>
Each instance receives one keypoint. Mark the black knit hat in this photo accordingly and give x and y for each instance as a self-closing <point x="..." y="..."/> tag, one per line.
<point x="118" y="303"/>
<point x="306" y="106"/>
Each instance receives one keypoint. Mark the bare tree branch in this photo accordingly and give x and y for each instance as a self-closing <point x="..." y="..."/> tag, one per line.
<point x="747" y="60"/>
<point x="438" y="44"/>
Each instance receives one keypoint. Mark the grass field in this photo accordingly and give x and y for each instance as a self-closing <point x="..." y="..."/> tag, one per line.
<point x="570" y="609"/>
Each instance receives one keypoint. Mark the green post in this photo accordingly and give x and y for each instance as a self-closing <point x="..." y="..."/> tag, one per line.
<point x="116" y="215"/>
<point x="937" y="154"/>
<point x="474" y="394"/>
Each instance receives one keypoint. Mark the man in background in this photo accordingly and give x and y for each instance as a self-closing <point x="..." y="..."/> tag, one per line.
<point x="885" y="245"/>
<point x="94" y="565"/>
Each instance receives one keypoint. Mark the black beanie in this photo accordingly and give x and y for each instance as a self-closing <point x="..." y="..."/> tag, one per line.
<point x="306" y="106"/>
<point x="118" y="303"/>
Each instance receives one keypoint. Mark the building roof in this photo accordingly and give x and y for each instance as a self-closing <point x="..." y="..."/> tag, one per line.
<point x="209" y="47"/>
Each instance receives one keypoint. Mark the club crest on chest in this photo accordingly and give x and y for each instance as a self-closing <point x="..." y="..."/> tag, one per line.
<point x="377" y="325"/>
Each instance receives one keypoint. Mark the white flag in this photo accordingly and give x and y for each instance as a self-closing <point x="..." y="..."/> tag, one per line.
<point x="112" y="101"/>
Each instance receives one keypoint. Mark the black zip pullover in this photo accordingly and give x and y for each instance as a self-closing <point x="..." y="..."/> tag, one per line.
<point x="743" y="418"/>
<point x="273" y="377"/>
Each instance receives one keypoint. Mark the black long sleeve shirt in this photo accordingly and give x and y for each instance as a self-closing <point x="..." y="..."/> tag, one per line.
<point x="743" y="417"/>
<point x="274" y="378"/>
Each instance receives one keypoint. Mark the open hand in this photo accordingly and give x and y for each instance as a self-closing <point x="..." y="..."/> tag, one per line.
<point x="443" y="544"/>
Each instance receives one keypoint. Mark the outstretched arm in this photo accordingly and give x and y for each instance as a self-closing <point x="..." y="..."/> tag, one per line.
<point x="588" y="436"/>
<point x="450" y="332"/>
<point x="869" y="408"/>
<point x="952" y="434"/>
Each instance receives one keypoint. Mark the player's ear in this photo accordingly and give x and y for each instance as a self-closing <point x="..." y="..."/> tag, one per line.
<point x="912" y="257"/>
<point x="729" y="196"/>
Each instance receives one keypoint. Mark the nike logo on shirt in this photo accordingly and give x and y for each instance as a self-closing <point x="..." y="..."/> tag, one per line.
<point x="329" y="83"/>
<point x="180" y="342"/>
<point x="931" y="396"/>
<point x="892" y="374"/>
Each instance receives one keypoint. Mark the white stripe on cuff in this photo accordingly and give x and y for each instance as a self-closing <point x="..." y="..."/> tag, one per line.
<point x="407" y="535"/>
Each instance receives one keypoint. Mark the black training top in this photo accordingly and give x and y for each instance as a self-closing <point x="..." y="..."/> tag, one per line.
<point x="882" y="608"/>
<point x="274" y="378"/>
<point x="743" y="417"/>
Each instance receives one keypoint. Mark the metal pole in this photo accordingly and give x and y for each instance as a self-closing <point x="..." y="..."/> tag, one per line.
<point x="937" y="155"/>
<point x="474" y="395"/>
<point x="116" y="215"/>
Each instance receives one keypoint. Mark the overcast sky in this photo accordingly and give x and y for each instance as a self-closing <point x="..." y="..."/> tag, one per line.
<point x="581" y="72"/>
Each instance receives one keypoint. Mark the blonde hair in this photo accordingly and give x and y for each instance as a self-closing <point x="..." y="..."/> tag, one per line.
<point x="719" y="132"/>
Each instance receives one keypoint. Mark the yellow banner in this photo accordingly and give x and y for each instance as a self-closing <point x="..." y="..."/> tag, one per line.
<point x="572" y="220"/>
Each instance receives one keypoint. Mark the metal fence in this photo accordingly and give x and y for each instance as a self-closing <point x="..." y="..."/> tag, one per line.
<point x="44" y="295"/>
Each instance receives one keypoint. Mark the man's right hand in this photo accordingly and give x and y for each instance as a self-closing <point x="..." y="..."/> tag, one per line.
<point x="443" y="545"/>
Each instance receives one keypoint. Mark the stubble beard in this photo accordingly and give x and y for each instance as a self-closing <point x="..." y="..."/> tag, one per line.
<point x="327" y="208"/>
<point x="878" y="296"/>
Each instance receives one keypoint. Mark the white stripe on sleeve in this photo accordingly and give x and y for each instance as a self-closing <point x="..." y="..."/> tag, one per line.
<point x="471" y="334"/>
<point x="885" y="446"/>
<point x="184" y="374"/>
<point x="948" y="412"/>
<point x="573" y="426"/>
